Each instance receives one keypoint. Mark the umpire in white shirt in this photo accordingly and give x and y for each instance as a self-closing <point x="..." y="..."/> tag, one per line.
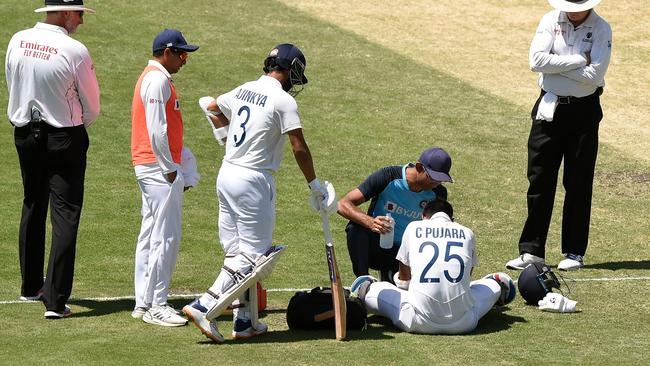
<point x="571" y="51"/>
<point x="53" y="98"/>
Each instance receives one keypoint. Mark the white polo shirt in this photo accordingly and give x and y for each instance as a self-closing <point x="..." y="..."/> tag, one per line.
<point x="558" y="53"/>
<point x="260" y="114"/>
<point x="441" y="254"/>
<point x="48" y="69"/>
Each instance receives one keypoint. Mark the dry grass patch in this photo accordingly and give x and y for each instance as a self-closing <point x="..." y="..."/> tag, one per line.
<point x="486" y="44"/>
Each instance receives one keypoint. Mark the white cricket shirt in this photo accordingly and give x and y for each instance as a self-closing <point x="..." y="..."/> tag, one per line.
<point x="260" y="114"/>
<point x="441" y="254"/>
<point x="558" y="53"/>
<point x="48" y="69"/>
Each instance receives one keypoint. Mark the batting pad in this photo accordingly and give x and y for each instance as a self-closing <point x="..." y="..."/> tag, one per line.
<point x="262" y="269"/>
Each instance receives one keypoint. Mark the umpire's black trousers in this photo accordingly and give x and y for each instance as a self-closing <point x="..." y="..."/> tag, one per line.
<point x="572" y="136"/>
<point x="365" y="253"/>
<point x="53" y="166"/>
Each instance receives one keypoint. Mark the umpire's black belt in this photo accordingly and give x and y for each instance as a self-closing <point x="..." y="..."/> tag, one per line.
<point x="571" y="99"/>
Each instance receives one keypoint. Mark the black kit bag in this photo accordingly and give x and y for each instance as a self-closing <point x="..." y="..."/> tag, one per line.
<point x="314" y="309"/>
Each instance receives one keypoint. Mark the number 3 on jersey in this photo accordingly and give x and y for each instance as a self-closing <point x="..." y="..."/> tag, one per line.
<point x="448" y="257"/>
<point x="240" y="140"/>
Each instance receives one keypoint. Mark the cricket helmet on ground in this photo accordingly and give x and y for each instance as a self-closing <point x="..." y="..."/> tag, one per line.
<point x="535" y="281"/>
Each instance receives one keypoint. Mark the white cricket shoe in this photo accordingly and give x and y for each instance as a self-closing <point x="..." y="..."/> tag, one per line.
<point x="37" y="297"/>
<point x="244" y="329"/>
<point x="523" y="261"/>
<point x="163" y="315"/>
<point x="138" y="312"/>
<point x="571" y="262"/>
<point x="508" y="291"/>
<point x="196" y="313"/>
<point x="50" y="314"/>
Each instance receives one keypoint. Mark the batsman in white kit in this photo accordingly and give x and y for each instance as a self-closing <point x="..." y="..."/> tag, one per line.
<point x="434" y="292"/>
<point x="253" y="121"/>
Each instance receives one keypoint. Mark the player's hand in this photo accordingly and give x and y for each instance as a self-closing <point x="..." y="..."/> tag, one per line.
<point x="382" y="224"/>
<point x="170" y="177"/>
<point x="323" y="196"/>
<point x="556" y="303"/>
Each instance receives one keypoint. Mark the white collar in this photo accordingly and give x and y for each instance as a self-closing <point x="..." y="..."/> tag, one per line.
<point x="161" y="67"/>
<point x="440" y="216"/>
<point x="270" y="79"/>
<point x="51" y="27"/>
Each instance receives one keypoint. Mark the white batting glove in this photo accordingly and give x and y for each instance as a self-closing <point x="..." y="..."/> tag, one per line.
<point x="323" y="196"/>
<point x="556" y="303"/>
<point x="221" y="133"/>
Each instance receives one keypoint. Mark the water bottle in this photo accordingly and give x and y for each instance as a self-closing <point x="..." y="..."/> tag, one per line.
<point x="386" y="240"/>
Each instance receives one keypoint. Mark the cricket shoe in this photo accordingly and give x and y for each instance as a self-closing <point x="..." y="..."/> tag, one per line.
<point x="359" y="287"/>
<point x="244" y="329"/>
<point x="51" y="314"/>
<point x="508" y="291"/>
<point x="163" y="315"/>
<point x="138" y="312"/>
<point x="523" y="261"/>
<point x="196" y="313"/>
<point x="571" y="262"/>
<point x="37" y="297"/>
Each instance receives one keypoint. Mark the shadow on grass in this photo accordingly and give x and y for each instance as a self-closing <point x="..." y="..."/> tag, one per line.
<point x="644" y="264"/>
<point x="497" y="320"/>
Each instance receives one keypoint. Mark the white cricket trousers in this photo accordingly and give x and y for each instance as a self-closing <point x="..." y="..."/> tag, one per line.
<point x="160" y="236"/>
<point x="246" y="223"/>
<point x="386" y="299"/>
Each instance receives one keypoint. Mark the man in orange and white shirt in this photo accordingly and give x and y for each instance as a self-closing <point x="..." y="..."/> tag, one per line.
<point x="156" y="146"/>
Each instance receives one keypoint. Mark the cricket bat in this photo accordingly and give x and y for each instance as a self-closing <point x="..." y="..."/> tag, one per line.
<point x="338" y="296"/>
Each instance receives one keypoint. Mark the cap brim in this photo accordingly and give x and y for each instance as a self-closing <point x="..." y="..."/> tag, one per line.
<point x="439" y="176"/>
<point x="188" y="48"/>
<point x="63" y="8"/>
<point x="570" y="7"/>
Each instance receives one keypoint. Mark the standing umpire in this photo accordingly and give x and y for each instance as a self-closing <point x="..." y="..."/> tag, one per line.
<point x="571" y="51"/>
<point x="53" y="98"/>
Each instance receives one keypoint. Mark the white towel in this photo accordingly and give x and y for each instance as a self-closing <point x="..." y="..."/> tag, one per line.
<point x="546" y="108"/>
<point x="189" y="168"/>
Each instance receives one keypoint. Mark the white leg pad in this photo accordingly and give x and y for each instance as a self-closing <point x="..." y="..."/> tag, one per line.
<point x="262" y="268"/>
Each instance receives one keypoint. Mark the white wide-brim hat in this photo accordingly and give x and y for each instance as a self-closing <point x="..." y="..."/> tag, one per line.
<point x="573" y="6"/>
<point x="63" y="8"/>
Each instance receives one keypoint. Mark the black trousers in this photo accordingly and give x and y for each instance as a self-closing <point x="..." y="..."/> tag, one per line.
<point x="365" y="253"/>
<point x="571" y="137"/>
<point x="53" y="166"/>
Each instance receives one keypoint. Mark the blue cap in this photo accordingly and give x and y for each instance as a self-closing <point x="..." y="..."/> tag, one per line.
<point x="437" y="163"/>
<point x="171" y="38"/>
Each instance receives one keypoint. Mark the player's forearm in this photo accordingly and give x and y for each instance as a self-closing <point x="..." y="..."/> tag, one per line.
<point x="353" y="213"/>
<point x="305" y="163"/>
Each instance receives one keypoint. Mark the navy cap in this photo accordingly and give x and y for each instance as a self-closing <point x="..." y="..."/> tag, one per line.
<point x="171" y="38"/>
<point x="437" y="163"/>
<point x="285" y="54"/>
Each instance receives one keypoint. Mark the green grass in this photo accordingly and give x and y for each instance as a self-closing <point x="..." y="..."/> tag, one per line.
<point x="365" y="107"/>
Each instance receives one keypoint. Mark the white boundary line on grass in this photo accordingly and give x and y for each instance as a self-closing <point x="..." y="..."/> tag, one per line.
<point x="118" y="298"/>
<point x="191" y="296"/>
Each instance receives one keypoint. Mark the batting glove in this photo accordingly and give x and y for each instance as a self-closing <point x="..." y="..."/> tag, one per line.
<point x="221" y="133"/>
<point x="556" y="303"/>
<point x="323" y="196"/>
